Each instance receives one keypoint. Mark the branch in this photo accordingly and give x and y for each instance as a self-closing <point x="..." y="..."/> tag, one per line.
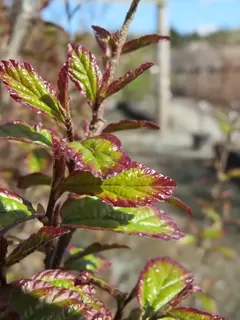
<point x="97" y="124"/>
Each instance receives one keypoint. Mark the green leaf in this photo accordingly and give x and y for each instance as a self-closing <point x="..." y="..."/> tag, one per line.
<point x="66" y="280"/>
<point x="28" y="88"/>
<point x="84" y="71"/>
<point x="90" y="262"/>
<point x="130" y="125"/>
<point x="212" y="214"/>
<point x="188" y="239"/>
<point x="38" y="160"/>
<point x="207" y="302"/>
<point x="226" y="252"/>
<point x="193" y="314"/>
<point x="13" y="210"/>
<point x="161" y="281"/>
<point x="137" y="186"/>
<point x="213" y="232"/>
<point x="34" y="242"/>
<point x="92" y="213"/>
<point x="99" y="155"/>
<point x="33" y="180"/>
<point x="179" y="204"/>
<point x="21" y="131"/>
<point x="234" y="173"/>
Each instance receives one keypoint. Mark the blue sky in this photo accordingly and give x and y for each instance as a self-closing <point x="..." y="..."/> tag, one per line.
<point x="203" y="16"/>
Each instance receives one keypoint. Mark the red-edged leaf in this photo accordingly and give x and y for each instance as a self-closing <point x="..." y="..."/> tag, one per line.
<point x="99" y="155"/>
<point x="84" y="71"/>
<point x="90" y="262"/>
<point x="63" y="88"/>
<point x="191" y="313"/>
<point x="64" y="279"/>
<point x="130" y="125"/>
<point x="14" y="210"/>
<point x="138" y="186"/>
<point x="33" y="180"/>
<point x="92" y="213"/>
<point x="142" y="42"/>
<point x="179" y="204"/>
<point x="121" y="82"/>
<point x="34" y="242"/>
<point x="160" y="282"/>
<point x="28" y="88"/>
<point x="89" y="278"/>
<point x="36" y="299"/>
<point x="103" y="38"/>
<point x="21" y="131"/>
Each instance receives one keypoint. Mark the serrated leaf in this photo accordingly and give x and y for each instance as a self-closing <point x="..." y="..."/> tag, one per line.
<point x="159" y="283"/>
<point x="142" y="42"/>
<point x="99" y="155"/>
<point x="36" y="299"/>
<point x="104" y="39"/>
<point x="207" y="302"/>
<point x="226" y="252"/>
<point x="89" y="278"/>
<point x="13" y="209"/>
<point x="34" y="242"/>
<point x="21" y="131"/>
<point x="179" y="204"/>
<point x="192" y="313"/>
<point x="28" y="88"/>
<point x="137" y="186"/>
<point x="66" y="280"/>
<point x="33" y="180"/>
<point x="37" y="160"/>
<point x="121" y="82"/>
<point x="84" y="71"/>
<point x="130" y="125"/>
<point x="90" y="262"/>
<point x="92" y="213"/>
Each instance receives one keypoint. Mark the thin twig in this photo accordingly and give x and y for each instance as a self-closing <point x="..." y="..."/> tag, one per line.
<point x="97" y="124"/>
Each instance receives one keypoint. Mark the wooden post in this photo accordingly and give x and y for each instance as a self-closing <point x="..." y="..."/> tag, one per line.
<point x="163" y="62"/>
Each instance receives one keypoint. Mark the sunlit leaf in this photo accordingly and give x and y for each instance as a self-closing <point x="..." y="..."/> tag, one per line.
<point x="92" y="213"/>
<point x="28" y="88"/>
<point x="21" y="131"/>
<point x="130" y="125"/>
<point x="13" y="209"/>
<point x="84" y="71"/>
<point x="34" y="242"/>
<point x="99" y="155"/>
<point x="160" y="282"/>
<point x="104" y="40"/>
<point x="138" y="186"/>
<point x="188" y="240"/>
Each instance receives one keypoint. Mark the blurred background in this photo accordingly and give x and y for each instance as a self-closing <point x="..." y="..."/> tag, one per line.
<point x="192" y="92"/>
